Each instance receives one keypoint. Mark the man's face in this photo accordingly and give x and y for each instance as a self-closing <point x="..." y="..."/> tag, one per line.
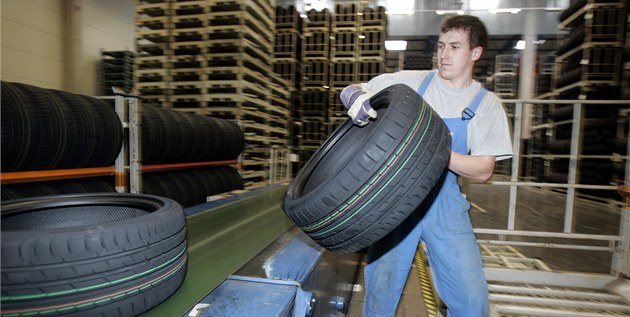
<point x="454" y="56"/>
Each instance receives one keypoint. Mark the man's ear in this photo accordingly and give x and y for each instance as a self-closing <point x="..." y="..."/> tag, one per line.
<point x="477" y="51"/>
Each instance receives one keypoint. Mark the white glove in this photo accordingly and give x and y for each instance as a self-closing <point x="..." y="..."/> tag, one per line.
<point x="358" y="103"/>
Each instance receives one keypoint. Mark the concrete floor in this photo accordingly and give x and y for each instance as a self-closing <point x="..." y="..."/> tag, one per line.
<point x="537" y="209"/>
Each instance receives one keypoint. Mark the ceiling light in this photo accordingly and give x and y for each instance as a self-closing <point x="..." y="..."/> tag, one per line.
<point x="508" y="10"/>
<point x="520" y="45"/>
<point x="443" y="12"/>
<point x="399" y="12"/>
<point x="395" y="45"/>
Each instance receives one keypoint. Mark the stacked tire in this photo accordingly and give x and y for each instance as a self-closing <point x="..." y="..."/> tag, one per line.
<point x="45" y="129"/>
<point x="90" y="254"/>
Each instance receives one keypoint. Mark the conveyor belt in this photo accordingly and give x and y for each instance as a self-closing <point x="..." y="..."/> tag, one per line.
<point x="222" y="239"/>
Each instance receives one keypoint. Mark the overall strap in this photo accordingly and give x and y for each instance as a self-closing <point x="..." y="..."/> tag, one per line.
<point x="425" y="83"/>
<point x="469" y="112"/>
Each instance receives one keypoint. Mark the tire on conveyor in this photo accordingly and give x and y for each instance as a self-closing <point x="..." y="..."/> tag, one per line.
<point x="91" y="254"/>
<point x="364" y="181"/>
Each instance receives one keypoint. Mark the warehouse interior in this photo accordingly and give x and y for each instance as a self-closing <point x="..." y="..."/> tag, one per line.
<point x="219" y="104"/>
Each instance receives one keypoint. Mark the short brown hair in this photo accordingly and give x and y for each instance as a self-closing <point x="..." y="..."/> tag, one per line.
<point x="477" y="33"/>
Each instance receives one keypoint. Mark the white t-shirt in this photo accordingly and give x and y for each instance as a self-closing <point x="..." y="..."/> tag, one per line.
<point x="488" y="131"/>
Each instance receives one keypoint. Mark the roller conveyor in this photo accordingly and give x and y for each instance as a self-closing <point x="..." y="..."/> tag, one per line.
<point x="246" y="258"/>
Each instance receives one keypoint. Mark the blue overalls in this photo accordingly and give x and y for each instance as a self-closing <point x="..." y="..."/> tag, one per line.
<point x="453" y="253"/>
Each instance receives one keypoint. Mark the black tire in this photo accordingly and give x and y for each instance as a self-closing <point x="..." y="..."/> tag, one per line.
<point x="82" y="255"/>
<point x="364" y="181"/>
<point x="51" y="129"/>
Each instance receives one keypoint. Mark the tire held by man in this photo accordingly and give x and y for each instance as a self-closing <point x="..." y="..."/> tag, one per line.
<point x="364" y="181"/>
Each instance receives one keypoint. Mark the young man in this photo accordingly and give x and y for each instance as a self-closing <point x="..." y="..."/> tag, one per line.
<point x="480" y="136"/>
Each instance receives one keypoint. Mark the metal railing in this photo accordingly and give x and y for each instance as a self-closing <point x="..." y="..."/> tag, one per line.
<point x="619" y="245"/>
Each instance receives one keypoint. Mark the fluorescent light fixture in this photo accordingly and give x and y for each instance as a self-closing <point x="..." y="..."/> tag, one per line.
<point x="398" y="7"/>
<point x="555" y="9"/>
<point x="520" y="45"/>
<point x="508" y="10"/>
<point x="361" y="36"/>
<point x="399" y="12"/>
<point x="443" y="12"/>
<point x="395" y="45"/>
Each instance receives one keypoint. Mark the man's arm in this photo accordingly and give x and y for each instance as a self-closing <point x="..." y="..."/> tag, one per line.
<point x="477" y="168"/>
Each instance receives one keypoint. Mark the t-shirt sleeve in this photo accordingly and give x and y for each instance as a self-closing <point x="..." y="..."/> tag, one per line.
<point x="407" y="77"/>
<point x="490" y="133"/>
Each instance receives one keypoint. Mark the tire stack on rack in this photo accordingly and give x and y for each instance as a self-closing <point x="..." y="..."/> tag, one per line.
<point x="588" y="66"/>
<point x="214" y="58"/>
<point x="172" y="137"/>
<point x="45" y="129"/>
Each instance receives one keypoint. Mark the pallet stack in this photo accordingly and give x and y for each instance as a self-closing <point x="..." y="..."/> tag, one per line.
<point x="357" y="51"/>
<point x="153" y="36"/>
<point x="287" y="62"/>
<point x="337" y="49"/>
<point x="116" y="70"/>
<point x="505" y="77"/>
<point x="213" y="58"/>
<point x="589" y="66"/>
<point x="312" y="110"/>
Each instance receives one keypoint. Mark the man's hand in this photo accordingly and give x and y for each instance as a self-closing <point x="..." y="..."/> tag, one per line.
<point x="357" y="102"/>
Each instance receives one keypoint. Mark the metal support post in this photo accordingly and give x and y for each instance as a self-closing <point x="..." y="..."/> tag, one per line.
<point x="576" y="150"/>
<point x="120" y="174"/>
<point x="516" y="148"/>
<point x="135" y="121"/>
<point x="528" y="71"/>
<point x="272" y="165"/>
<point x="621" y="256"/>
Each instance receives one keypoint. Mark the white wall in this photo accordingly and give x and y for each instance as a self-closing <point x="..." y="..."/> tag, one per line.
<point x="35" y="46"/>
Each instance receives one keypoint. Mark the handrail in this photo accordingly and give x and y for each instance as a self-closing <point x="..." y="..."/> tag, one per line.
<point x="619" y="244"/>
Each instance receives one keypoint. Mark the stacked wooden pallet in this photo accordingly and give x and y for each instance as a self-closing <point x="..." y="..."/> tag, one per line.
<point x="315" y="80"/>
<point x="213" y="57"/>
<point x="287" y="65"/>
<point x="116" y="70"/>
<point x="591" y="55"/>
<point x="339" y="49"/>
<point x="357" y="51"/>
<point x="588" y="65"/>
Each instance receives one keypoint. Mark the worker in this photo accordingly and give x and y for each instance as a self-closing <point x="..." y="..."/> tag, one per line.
<point x="480" y="136"/>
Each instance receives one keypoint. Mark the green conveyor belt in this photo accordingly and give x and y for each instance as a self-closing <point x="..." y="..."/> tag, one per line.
<point x="222" y="239"/>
